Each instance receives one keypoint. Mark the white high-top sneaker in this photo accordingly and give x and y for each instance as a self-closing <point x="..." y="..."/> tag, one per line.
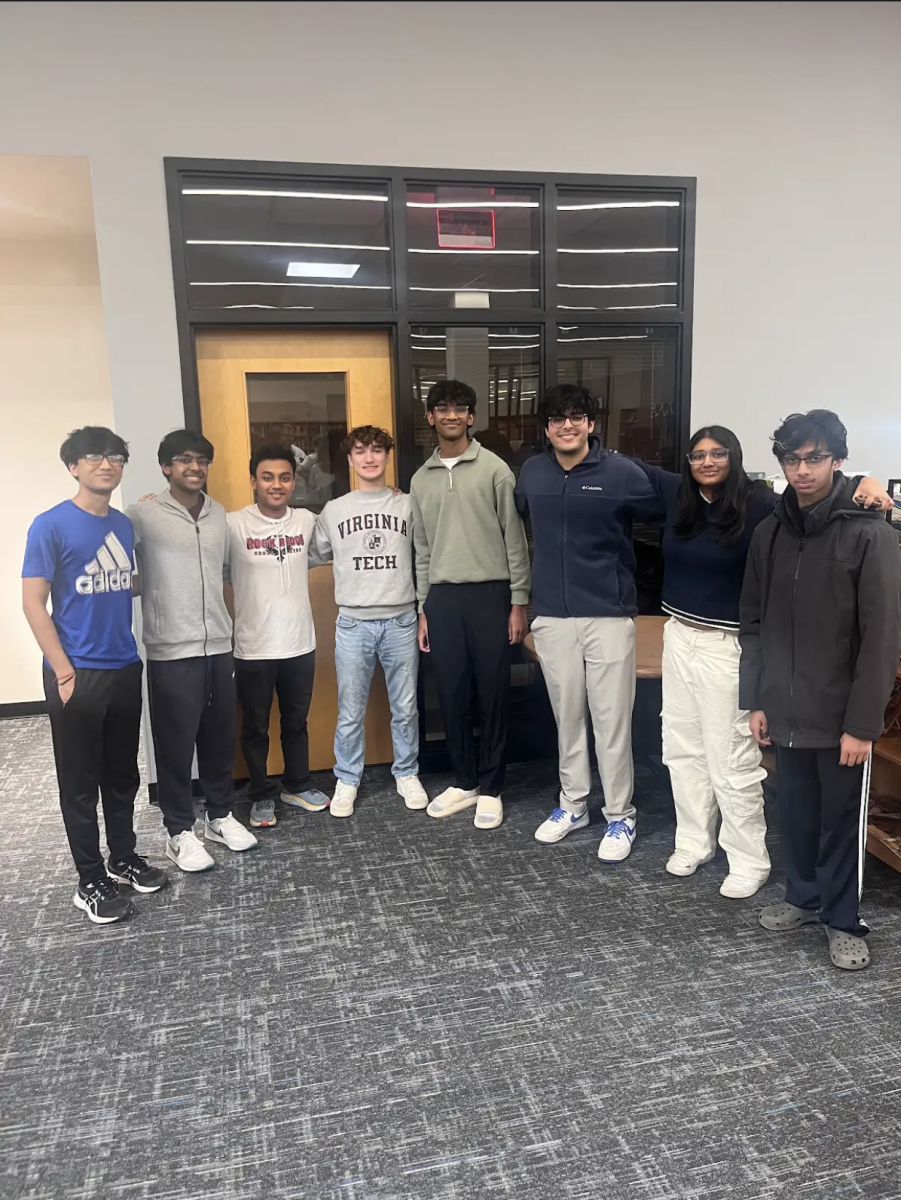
<point x="413" y="792"/>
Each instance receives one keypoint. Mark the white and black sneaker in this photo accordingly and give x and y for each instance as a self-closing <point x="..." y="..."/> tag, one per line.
<point x="100" y="899"/>
<point x="137" y="873"/>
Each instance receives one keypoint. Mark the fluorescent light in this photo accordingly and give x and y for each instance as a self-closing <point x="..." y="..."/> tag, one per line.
<point x="629" y="307"/>
<point x="518" y="335"/>
<point x="411" y="250"/>
<point x="323" y="270"/>
<point x="619" y="204"/>
<point x="365" y="287"/>
<point x="463" y="289"/>
<point x="301" y="245"/>
<point x="442" y="336"/>
<point x="607" y="286"/>
<point x="275" y="306"/>
<point x="467" y="204"/>
<point x="276" y="194"/>
<point x="630" y="250"/>
<point x="620" y="337"/>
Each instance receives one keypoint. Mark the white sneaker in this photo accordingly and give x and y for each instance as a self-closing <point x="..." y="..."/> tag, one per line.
<point x="616" y="843"/>
<point x="559" y="824"/>
<point x="453" y="800"/>
<point x="414" y="794"/>
<point x="739" y="887"/>
<point x="680" y="862"/>
<point x="342" y="804"/>
<point x="188" y="852"/>
<point x="230" y="832"/>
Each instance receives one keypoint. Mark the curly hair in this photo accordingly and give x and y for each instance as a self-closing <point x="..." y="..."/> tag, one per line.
<point x="368" y="435"/>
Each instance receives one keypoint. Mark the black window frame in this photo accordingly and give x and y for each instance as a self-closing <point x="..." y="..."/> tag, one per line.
<point x="399" y="320"/>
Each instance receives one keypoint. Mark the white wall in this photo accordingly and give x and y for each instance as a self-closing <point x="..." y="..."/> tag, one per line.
<point x="788" y="114"/>
<point x="53" y="378"/>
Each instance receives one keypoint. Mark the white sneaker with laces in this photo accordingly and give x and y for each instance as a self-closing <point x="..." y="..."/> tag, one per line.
<point x="188" y="852"/>
<point x="414" y="794"/>
<point x="559" y="824"/>
<point x="453" y="800"/>
<point x="342" y="804"/>
<point x="680" y="862"/>
<point x="616" y="843"/>
<point x="739" y="887"/>
<point x="230" y="832"/>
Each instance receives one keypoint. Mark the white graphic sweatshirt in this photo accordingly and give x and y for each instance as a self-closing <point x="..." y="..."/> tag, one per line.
<point x="268" y="558"/>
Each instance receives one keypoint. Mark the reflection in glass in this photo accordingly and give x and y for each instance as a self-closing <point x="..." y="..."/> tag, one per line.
<point x="307" y="412"/>
<point x="618" y="251"/>
<point x="474" y="246"/>
<point x="502" y="364"/>
<point x="264" y="245"/>
<point x="633" y="372"/>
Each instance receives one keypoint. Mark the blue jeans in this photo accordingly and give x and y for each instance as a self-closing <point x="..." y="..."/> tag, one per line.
<point x="358" y="644"/>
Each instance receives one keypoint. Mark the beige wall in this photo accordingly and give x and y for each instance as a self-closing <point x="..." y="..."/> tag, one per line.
<point x="53" y="378"/>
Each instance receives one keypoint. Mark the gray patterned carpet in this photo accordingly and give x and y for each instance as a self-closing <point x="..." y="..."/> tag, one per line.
<point x="399" y="1008"/>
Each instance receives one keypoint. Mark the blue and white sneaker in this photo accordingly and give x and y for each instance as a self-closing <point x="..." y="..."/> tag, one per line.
<point x="616" y="843"/>
<point x="559" y="824"/>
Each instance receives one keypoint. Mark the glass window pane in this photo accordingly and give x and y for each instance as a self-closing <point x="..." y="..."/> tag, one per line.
<point x="502" y="364"/>
<point x="473" y="247"/>
<point x="282" y="244"/>
<point x="618" y="251"/>
<point x="633" y="370"/>
<point x="306" y="411"/>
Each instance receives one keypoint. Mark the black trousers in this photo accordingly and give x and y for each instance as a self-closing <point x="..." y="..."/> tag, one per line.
<point x="469" y="639"/>
<point x="192" y="703"/>
<point x="823" y="826"/>
<point x="291" y="679"/>
<point x="95" y="744"/>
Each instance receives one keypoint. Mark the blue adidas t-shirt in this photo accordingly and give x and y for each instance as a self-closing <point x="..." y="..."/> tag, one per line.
<point x="88" y="561"/>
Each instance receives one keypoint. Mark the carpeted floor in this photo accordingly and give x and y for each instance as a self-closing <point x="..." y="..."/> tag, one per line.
<point x="399" y="1008"/>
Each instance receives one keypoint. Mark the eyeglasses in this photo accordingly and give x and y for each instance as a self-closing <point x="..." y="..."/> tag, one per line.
<point x="720" y="455"/>
<point x="812" y="460"/>
<point x="451" y="410"/>
<point x="187" y="461"/>
<point x="114" y="460"/>
<point x="575" y="419"/>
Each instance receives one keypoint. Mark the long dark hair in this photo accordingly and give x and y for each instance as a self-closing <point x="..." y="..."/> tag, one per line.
<point x="732" y="495"/>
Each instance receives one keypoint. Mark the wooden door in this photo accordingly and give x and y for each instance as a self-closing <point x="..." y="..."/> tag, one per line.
<point x="233" y="368"/>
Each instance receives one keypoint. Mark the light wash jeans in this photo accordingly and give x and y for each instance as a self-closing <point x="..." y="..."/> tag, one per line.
<point x="358" y="644"/>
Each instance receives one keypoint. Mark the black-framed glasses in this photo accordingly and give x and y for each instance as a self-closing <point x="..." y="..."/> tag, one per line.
<point x="577" y="420"/>
<point x="187" y="461"/>
<point x="451" y="410"/>
<point x="114" y="460"/>
<point x="812" y="460"/>
<point x="720" y="455"/>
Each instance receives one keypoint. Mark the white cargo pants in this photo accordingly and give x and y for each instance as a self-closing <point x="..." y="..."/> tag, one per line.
<point x="713" y="760"/>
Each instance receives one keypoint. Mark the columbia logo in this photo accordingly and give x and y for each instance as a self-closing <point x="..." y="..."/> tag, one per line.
<point x="587" y="487"/>
<point x="109" y="571"/>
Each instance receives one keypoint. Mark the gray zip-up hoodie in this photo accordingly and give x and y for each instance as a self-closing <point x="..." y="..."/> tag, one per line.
<point x="182" y="564"/>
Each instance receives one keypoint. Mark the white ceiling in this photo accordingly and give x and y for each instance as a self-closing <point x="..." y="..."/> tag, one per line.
<point x="44" y="196"/>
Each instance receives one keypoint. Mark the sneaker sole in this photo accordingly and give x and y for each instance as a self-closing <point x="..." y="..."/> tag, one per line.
<point x="86" y="909"/>
<point x="340" y="814"/>
<point x="417" y="806"/>
<point x="138" y="887"/>
<point x="296" y="802"/>
<point x="614" y="861"/>
<point x="189" y="870"/>
<point x="552" y="841"/>
<point x="263" y="824"/>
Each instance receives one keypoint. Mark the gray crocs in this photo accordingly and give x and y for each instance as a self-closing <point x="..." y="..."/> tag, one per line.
<point x="782" y="917"/>
<point x="848" y="952"/>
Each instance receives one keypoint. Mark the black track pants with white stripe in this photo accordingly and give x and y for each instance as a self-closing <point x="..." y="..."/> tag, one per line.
<point x="823" y="827"/>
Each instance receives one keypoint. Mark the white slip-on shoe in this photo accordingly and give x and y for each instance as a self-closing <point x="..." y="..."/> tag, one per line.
<point x="680" y="862"/>
<point x="188" y="852"/>
<point x="559" y="824"/>
<point x="739" y="887"/>
<point x="414" y="794"/>
<point x="230" y="832"/>
<point x="616" y="844"/>
<point x="453" y="800"/>
<point x="489" y="812"/>
<point x="342" y="804"/>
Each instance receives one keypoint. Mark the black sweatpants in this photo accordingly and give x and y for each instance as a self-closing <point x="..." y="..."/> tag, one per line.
<point x="823" y="827"/>
<point x="469" y="638"/>
<point x="192" y="703"/>
<point x="292" y="680"/>
<point x="95" y="744"/>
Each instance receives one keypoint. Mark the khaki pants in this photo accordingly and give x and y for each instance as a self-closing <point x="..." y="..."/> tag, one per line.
<point x="714" y="762"/>
<point x="593" y="659"/>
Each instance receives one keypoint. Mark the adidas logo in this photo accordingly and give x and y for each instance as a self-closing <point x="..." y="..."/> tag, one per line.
<point x="109" y="571"/>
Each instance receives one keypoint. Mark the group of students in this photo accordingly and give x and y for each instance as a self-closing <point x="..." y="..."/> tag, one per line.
<point x="784" y="629"/>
